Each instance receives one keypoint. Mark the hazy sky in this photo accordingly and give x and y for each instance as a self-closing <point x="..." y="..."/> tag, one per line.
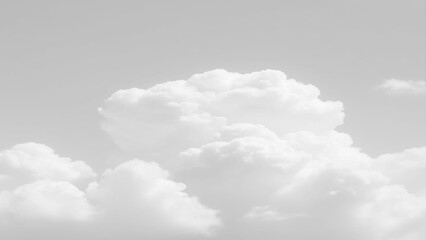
<point x="61" y="60"/>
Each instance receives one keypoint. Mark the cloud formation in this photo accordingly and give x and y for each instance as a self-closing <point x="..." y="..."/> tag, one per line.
<point x="24" y="163"/>
<point x="138" y="199"/>
<point x="311" y="187"/>
<point x="403" y="87"/>
<point x="406" y="168"/>
<point x="173" y="116"/>
<point x="225" y="156"/>
<point x="134" y="199"/>
<point x="263" y="149"/>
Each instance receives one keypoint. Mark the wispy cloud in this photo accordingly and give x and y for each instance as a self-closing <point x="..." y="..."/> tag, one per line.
<point x="403" y="87"/>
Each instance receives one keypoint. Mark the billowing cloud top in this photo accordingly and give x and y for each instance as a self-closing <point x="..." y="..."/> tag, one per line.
<point x="31" y="161"/>
<point x="173" y="116"/>
<point x="225" y="156"/>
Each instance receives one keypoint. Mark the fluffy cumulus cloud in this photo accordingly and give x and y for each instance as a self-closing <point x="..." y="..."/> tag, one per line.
<point x="173" y="116"/>
<point x="27" y="162"/>
<point x="406" y="168"/>
<point x="39" y="188"/>
<point x="138" y="199"/>
<point x="41" y="196"/>
<point x="263" y="150"/>
<point x="410" y="87"/>
<point x="225" y="156"/>
<point x="304" y="186"/>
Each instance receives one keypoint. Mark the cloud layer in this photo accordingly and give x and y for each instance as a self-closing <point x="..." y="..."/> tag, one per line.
<point x="224" y="156"/>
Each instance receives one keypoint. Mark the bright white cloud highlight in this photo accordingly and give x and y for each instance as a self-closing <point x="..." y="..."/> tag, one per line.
<point x="409" y="87"/>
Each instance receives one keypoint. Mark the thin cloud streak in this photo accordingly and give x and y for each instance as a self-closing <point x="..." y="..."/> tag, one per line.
<point x="403" y="87"/>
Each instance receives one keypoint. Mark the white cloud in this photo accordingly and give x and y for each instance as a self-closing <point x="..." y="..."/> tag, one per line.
<point x="395" y="214"/>
<point x="26" y="162"/>
<point x="266" y="213"/>
<point x="263" y="213"/>
<point x="263" y="150"/>
<point x="406" y="168"/>
<point x="173" y="116"/>
<point x="310" y="186"/>
<point x="40" y="194"/>
<point x="410" y="87"/>
<point x="37" y="184"/>
<point x="46" y="200"/>
<point x="138" y="197"/>
<point x="226" y="156"/>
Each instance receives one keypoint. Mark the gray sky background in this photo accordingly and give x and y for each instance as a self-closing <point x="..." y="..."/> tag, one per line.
<point x="60" y="59"/>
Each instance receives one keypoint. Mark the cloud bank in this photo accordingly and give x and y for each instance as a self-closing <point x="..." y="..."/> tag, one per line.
<point x="224" y="156"/>
<point x="403" y="87"/>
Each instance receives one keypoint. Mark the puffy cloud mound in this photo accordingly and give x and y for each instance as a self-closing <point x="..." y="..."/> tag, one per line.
<point x="47" y="200"/>
<point x="39" y="191"/>
<point x="26" y="162"/>
<point x="301" y="186"/>
<point x="406" y="168"/>
<point x="173" y="116"/>
<point x="136" y="199"/>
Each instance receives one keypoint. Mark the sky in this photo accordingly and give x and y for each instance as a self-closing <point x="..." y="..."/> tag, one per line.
<point x="64" y="118"/>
